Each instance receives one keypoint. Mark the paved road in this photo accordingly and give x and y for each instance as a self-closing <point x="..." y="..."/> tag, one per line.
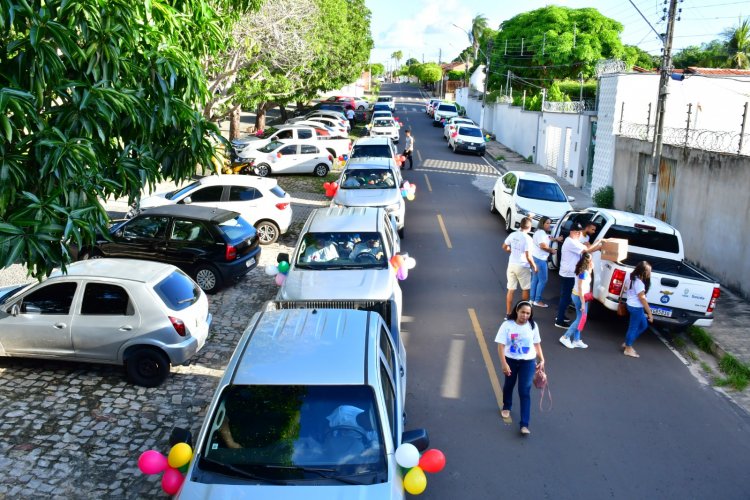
<point x="619" y="427"/>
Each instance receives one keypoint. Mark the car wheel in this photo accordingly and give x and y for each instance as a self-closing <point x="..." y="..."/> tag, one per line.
<point x="268" y="232"/>
<point x="208" y="278"/>
<point x="321" y="170"/>
<point x="263" y="170"/>
<point x="508" y="223"/>
<point x="482" y="153"/>
<point x="493" y="207"/>
<point x="147" y="367"/>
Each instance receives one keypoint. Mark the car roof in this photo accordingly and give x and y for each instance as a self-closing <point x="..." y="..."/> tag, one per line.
<point x="144" y="271"/>
<point x="630" y="219"/>
<point x="299" y="347"/>
<point x="210" y="214"/>
<point x="238" y="180"/>
<point x="385" y="96"/>
<point x="533" y="176"/>
<point x="370" y="162"/>
<point x="365" y="141"/>
<point x="344" y="219"/>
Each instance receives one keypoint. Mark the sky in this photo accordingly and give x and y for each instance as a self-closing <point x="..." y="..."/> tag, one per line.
<point x="421" y="28"/>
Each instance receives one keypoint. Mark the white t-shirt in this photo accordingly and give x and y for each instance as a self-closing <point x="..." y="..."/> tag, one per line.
<point x="585" y="238"/>
<point x="519" y="243"/>
<point x="518" y="339"/>
<point x="633" y="291"/>
<point x="570" y="254"/>
<point x="323" y="254"/>
<point x="585" y="278"/>
<point x="541" y="237"/>
<point x="350" y="114"/>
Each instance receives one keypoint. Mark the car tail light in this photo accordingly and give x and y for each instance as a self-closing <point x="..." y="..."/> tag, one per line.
<point x="330" y="157"/>
<point x="178" y="325"/>
<point x="712" y="303"/>
<point x="230" y="253"/>
<point x="282" y="206"/>
<point x="615" y="284"/>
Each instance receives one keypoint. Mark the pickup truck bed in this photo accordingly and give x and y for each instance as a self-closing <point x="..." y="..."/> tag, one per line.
<point x="668" y="266"/>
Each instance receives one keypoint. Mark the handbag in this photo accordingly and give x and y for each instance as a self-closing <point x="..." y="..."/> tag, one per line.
<point x="541" y="382"/>
<point x="622" y="308"/>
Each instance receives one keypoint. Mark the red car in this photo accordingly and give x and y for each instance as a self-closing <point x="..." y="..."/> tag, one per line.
<point x="346" y="101"/>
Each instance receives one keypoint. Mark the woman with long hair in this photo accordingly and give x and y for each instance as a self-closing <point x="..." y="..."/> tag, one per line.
<point x="640" y="312"/>
<point x="582" y="288"/>
<point x="540" y="252"/>
<point x="519" y="346"/>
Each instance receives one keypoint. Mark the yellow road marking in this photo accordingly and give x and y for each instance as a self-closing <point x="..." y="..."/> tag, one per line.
<point x="445" y="232"/>
<point x="487" y="358"/>
<point x="427" y="180"/>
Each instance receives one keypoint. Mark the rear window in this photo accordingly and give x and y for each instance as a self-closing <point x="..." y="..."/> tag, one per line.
<point x="645" y="238"/>
<point x="448" y="108"/>
<point x="371" y="150"/>
<point x="385" y="99"/>
<point x="177" y="291"/>
<point x="237" y="229"/>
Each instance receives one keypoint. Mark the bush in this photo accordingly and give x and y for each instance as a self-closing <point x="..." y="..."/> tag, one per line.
<point x="604" y="197"/>
<point x="572" y="88"/>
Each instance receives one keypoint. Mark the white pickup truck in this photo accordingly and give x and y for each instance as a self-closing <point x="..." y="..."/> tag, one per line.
<point x="335" y="146"/>
<point x="680" y="295"/>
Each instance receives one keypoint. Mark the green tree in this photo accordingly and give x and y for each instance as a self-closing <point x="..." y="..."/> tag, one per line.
<point x="429" y="72"/>
<point x="738" y="45"/>
<point x="708" y="55"/>
<point x="377" y="69"/>
<point x="635" y="56"/>
<point x="397" y="56"/>
<point x="478" y="25"/>
<point x="411" y="61"/>
<point x="96" y="100"/>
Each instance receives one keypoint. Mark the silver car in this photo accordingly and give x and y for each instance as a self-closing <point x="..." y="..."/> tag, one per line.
<point x="139" y="314"/>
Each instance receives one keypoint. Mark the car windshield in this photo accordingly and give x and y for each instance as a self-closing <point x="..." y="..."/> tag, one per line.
<point x="470" y="131"/>
<point x="384" y="123"/>
<point x="371" y="150"/>
<point x="385" y="99"/>
<point x="296" y="433"/>
<point x="271" y="146"/>
<point x="381" y="107"/>
<point x="447" y="108"/>
<point x="237" y="229"/>
<point x="536" y="190"/>
<point x="328" y="251"/>
<point x="179" y="193"/>
<point x="365" y="178"/>
<point x="177" y="291"/>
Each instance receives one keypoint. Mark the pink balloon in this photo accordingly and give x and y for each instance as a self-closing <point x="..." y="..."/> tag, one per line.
<point x="152" y="462"/>
<point x="171" y="481"/>
<point x="280" y="278"/>
<point x="402" y="273"/>
<point x="432" y="461"/>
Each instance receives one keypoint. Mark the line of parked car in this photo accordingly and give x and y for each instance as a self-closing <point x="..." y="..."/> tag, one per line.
<point x="461" y="133"/>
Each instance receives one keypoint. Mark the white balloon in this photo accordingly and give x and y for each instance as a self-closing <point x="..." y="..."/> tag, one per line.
<point x="271" y="270"/>
<point x="410" y="262"/>
<point x="407" y="455"/>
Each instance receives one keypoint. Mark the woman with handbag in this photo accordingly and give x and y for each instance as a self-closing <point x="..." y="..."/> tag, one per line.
<point x="519" y="347"/>
<point x="640" y="312"/>
<point x="580" y="295"/>
<point x="541" y="252"/>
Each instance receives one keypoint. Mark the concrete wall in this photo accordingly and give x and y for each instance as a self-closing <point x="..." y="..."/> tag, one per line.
<point x="710" y="206"/>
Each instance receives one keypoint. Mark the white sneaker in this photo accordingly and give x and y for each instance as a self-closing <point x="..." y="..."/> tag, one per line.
<point x="566" y="342"/>
<point x="579" y="344"/>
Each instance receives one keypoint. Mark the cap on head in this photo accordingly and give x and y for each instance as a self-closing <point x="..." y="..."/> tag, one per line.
<point x="576" y="227"/>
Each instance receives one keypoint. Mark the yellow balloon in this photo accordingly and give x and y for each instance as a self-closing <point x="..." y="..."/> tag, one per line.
<point x="410" y="196"/>
<point x="179" y="455"/>
<point x="415" y="481"/>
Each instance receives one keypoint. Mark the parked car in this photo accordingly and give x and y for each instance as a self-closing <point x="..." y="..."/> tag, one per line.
<point x="680" y="295"/>
<point x="283" y="424"/>
<point x="355" y="102"/>
<point x="144" y="316"/>
<point x="212" y="245"/>
<point x="375" y="147"/>
<point x="287" y="132"/>
<point x="333" y="125"/>
<point x="261" y="202"/>
<point x="467" y="138"/>
<point x="290" y="158"/>
<point x="372" y="182"/>
<point x="387" y="99"/>
<point x="430" y="106"/>
<point x="340" y="116"/>
<point x="525" y="194"/>
<point x="451" y="123"/>
<point x="443" y="111"/>
<point x="385" y="127"/>
<point x="381" y="106"/>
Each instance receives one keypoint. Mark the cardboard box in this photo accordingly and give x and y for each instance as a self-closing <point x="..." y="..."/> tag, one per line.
<point x="615" y="249"/>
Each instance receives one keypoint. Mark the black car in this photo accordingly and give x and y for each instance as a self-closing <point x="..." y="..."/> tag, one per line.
<point x="212" y="245"/>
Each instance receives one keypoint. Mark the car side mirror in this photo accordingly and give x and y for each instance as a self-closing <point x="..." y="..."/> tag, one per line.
<point x="571" y="199"/>
<point x="15" y="310"/>
<point x="507" y="191"/>
<point x="180" y="435"/>
<point x="418" y="437"/>
<point x="282" y="257"/>
<point x="187" y="200"/>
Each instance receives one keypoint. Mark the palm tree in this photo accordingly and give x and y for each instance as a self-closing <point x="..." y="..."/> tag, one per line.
<point x="398" y="55"/>
<point x="738" y="45"/>
<point x="478" y="25"/>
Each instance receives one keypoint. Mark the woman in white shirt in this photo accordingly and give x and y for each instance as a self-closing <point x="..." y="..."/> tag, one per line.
<point x="582" y="288"/>
<point x="540" y="252"/>
<point x="519" y="346"/>
<point x="640" y="312"/>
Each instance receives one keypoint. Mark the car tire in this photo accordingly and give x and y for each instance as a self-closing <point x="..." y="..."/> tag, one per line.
<point x="263" y="170"/>
<point x="508" y="222"/>
<point x="208" y="278"/>
<point x="147" y="367"/>
<point x="268" y="232"/>
<point x="493" y="207"/>
<point x="481" y="154"/>
<point x="321" y="170"/>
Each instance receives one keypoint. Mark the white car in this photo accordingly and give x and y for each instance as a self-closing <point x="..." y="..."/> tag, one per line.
<point x="526" y="194"/>
<point x="322" y="113"/>
<point x="261" y="202"/>
<point x="374" y="147"/>
<point x="443" y="111"/>
<point x="387" y="99"/>
<point x="385" y="127"/>
<point x="380" y="114"/>
<point x="290" y="158"/>
<point x="467" y="138"/>
<point x="334" y="126"/>
<point x="450" y="125"/>
<point x="362" y="104"/>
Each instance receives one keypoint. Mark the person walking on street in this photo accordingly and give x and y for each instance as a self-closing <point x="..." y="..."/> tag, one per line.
<point x="582" y="288"/>
<point x="570" y="253"/>
<point x="638" y="308"/>
<point x="520" y="263"/>
<point x="408" y="148"/>
<point x="540" y="252"/>
<point x="350" y="116"/>
<point x="520" y="349"/>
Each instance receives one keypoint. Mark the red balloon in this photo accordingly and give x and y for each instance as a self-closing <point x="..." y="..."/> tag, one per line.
<point x="171" y="481"/>
<point x="432" y="461"/>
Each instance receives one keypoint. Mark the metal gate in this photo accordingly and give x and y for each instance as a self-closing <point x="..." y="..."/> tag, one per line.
<point x="552" y="153"/>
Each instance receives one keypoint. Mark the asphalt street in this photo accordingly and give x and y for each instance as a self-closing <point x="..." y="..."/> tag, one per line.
<point x="618" y="427"/>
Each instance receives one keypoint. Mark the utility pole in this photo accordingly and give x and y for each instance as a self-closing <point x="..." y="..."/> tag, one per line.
<point x="661" y="104"/>
<point x="440" y="63"/>
<point x="486" y="81"/>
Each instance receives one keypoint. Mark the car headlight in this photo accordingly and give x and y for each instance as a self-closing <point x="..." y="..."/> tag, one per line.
<point x="394" y="207"/>
<point x="336" y="204"/>
<point x="522" y="211"/>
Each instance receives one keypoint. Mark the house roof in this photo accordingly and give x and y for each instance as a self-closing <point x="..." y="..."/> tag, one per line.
<point x="454" y="66"/>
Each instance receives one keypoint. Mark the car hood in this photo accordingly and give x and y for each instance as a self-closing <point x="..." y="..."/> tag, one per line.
<point x="554" y="209"/>
<point x="191" y="490"/>
<point x="470" y="139"/>
<point x="302" y="284"/>
<point x="155" y="200"/>
<point x="367" y="197"/>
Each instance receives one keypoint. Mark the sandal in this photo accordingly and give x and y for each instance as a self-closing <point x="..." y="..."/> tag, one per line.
<point x="505" y="415"/>
<point x="631" y="352"/>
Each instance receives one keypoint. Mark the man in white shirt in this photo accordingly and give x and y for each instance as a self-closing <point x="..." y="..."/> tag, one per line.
<point x="520" y="263"/>
<point x="570" y="254"/>
<point x="589" y="229"/>
<point x="318" y="251"/>
<point x="350" y="114"/>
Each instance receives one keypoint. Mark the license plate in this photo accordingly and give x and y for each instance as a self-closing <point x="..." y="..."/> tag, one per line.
<point x="250" y="261"/>
<point x="472" y="147"/>
<point x="661" y="311"/>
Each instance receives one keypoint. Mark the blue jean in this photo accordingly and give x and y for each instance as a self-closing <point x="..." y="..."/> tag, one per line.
<point x="538" y="280"/>
<point x="566" y="289"/>
<point x="572" y="330"/>
<point x="521" y="370"/>
<point x="638" y="324"/>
